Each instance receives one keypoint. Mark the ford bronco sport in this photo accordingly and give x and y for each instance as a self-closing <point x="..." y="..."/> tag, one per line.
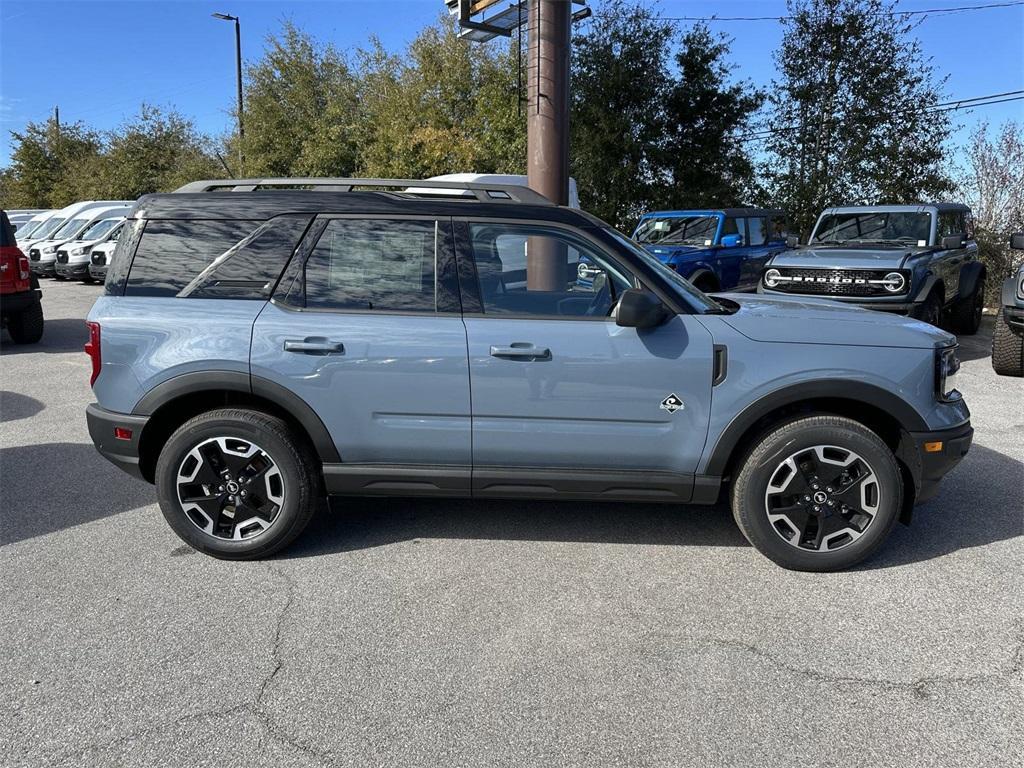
<point x="919" y="260"/>
<point x="21" y="311"/>
<point x="258" y="348"/>
<point x="1008" y="334"/>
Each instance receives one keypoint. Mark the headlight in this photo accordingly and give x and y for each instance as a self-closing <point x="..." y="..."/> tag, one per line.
<point x="50" y="249"/>
<point x="80" y="251"/>
<point x="1020" y="287"/>
<point x="947" y="372"/>
<point x="894" y="282"/>
<point x="772" y="278"/>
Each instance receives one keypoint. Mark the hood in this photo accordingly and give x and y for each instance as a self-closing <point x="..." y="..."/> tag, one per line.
<point x="786" y="319"/>
<point x="666" y="253"/>
<point x="834" y="257"/>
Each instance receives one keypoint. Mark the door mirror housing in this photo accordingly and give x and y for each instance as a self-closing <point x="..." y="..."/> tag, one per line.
<point x="731" y="241"/>
<point x="952" y="242"/>
<point x="793" y="241"/>
<point x="1017" y="241"/>
<point x="639" y="309"/>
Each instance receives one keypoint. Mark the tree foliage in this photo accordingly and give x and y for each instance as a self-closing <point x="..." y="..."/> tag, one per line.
<point x="45" y="154"/>
<point x="852" y="115"/>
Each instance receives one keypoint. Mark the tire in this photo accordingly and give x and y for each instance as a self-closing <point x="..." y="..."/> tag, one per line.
<point x="287" y="493"/>
<point x="930" y="310"/>
<point x="26" y="327"/>
<point x="706" y="283"/>
<point x="1007" y="349"/>
<point x="965" y="319"/>
<point x="780" y="520"/>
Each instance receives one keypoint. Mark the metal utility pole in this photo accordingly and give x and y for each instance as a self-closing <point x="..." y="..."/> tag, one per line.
<point x="547" y="129"/>
<point x="238" y="72"/>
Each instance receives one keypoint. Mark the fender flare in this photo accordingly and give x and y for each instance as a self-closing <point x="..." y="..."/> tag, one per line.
<point x="237" y="381"/>
<point x="929" y="283"/>
<point x="1009" y="292"/>
<point x="701" y="271"/>
<point x="970" y="274"/>
<point x="869" y="394"/>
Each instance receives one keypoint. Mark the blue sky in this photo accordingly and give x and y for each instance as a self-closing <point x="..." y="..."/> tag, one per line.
<point x="99" y="59"/>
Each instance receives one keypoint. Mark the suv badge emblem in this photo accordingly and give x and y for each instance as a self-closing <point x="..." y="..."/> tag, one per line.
<point x="672" y="403"/>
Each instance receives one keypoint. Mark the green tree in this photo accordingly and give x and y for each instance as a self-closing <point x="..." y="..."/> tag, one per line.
<point x="704" y="115"/>
<point x="620" y="81"/>
<point x="45" y="154"/>
<point x="852" y="116"/>
<point x="301" y="110"/>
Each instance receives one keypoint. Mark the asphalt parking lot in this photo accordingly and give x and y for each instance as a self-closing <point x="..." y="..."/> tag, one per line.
<point x="441" y="633"/>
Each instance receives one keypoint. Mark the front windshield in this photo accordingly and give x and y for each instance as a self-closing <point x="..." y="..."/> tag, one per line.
<point x="48" y="226"/>
<point x="677" y="230"/>
<point x="100" y="229"/>
<point x="898" y="227"/>
<point x="70" y="229"/>
<point x="28" y="228"/>
<point x="683" y="285"/>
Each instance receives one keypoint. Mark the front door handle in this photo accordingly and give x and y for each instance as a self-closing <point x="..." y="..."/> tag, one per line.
<point x="313" y="345"/>
<point x="522" y="351"/>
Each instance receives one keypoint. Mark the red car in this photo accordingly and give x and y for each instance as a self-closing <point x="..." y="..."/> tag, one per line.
<point x="21" y="310"/>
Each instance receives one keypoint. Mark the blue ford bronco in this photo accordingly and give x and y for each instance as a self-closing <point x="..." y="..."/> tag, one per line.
<point x="716" y="250"/>
<point x="259" y="348"/>
<point x="917" y="260"/>
<point x="1008" y="334"/>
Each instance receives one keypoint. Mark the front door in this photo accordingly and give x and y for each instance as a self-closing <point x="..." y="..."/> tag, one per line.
<point x="368" y="332"/>
<point x="564" y="400"/>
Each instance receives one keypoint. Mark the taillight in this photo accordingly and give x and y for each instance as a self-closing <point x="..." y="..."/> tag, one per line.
<point x="23" y="269"/>
<point x="92" y="349"/>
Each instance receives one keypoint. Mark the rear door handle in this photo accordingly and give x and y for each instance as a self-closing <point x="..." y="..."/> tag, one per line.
<point x="313" y="345"/>
<point x="522" y="350"/>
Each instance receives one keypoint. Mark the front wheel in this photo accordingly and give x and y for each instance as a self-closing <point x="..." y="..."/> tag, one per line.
<point x="930" y="311"/>
<point x="818" y="494"/>
<point x="236" y="484"/>
<point x="1007" y="348"/>
<point x="965" y="318"/>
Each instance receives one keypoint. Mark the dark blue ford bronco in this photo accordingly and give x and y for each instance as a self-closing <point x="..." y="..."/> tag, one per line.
<point x="917" y="260"/>
<point x="716" y="250"/>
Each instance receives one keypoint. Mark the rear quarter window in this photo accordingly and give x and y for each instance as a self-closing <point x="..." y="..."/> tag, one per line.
<point x="7" y="238"/>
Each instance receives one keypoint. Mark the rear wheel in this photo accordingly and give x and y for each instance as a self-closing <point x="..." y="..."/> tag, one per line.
<point x="965" y="318"/>
<point x="1007" y="349"/>
<point x="26" y="327"/>
<point x="237" y="484"/>
<point x="818" y="494"/>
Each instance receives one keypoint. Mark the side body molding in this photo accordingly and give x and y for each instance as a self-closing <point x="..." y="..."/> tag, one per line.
<point x="234" y="381"/>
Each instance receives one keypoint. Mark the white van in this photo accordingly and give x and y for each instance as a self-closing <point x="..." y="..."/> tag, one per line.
<point x="73" y="256"/>
<point x="72" y="221"/>
<point x="24" y="221"/>
<point x="25" y="232"/>
<point x="492" y="178"/>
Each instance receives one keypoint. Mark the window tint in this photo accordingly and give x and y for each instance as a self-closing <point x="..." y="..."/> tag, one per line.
<point x="778" y="229"/>
<point x="755" y="229"/>
<point x="952" y="223"/>
<point x="528" y="270"/>
<point x="729" y="227"/>
<point x="374" y="264"/>
<point x="172" y="253"/>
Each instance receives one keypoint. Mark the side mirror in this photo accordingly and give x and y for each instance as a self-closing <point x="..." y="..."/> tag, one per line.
<point x="793" y="241"/>
<point x="639" y="309"/>
<point x="1017" y="241"/>
<point x="731" y="241"/>
<point x="952" y="242"/>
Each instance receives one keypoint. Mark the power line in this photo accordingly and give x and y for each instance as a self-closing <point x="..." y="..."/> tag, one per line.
<point x="923" y="12"/>
<point x="947" y="106"/>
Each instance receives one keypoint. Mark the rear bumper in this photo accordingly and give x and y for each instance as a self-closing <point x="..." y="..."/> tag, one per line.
<point x="935" y="464"/>
<point x="13" y="303"/>
<point x="123" y="454"/>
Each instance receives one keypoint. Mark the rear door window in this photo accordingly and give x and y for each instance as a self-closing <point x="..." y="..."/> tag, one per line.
<point x="755" y="229"/>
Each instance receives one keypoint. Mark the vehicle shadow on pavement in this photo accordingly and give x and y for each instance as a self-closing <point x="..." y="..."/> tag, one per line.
<point x="978" y="503"/>
<point x="52" y="486"/>
<point x="979" y="345"/>
<point x="362" y="523"/>
<point x="60" y="335"/>
<point x="15" y="406"/>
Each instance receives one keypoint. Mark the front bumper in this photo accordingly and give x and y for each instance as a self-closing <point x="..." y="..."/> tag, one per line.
<point x="1014" y="317"/>
<point x="74" y="269"/>
<point x="933" y="464"/>
<point x="98" y="271"/>
<point x="879" y="305"/>
<point x="122" y="453"/>
<point x="43" y="268"/>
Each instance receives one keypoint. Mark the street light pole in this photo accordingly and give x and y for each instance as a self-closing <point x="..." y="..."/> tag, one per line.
<point x="238" y="71"/>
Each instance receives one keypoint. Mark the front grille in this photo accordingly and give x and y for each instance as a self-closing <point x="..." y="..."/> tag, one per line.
<point x="62" y="257"/>
<point x="33" y="254"/>
<point x="99" y="258"/>
<point x="834" y="282"/>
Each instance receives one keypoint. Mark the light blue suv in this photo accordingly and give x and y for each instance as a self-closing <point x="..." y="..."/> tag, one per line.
<point x="258" y="348"/>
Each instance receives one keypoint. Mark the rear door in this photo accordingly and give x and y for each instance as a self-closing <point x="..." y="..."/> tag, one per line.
<point x="366" y="328"/>
<point x="563" y="398"/>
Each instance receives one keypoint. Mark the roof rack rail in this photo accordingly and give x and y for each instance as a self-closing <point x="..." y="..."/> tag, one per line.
<point x="485" y="192"/>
